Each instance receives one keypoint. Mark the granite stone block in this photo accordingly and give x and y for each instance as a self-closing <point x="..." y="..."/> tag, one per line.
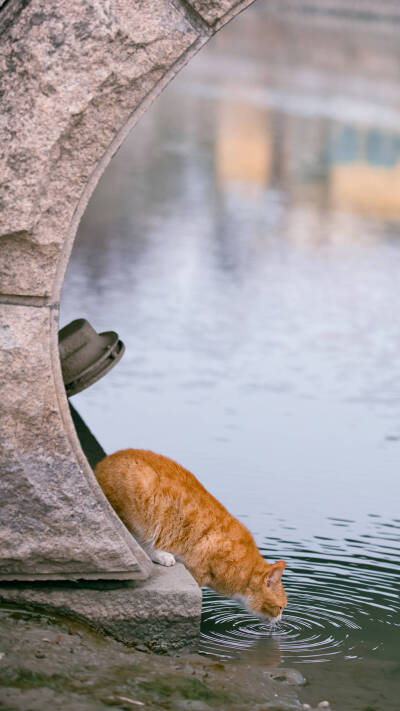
<point x="218" y="12"/>
<point x="71" y="75"/>
<point x="54" y="518"/>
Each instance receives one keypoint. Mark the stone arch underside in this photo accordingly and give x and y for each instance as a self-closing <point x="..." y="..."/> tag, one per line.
<point x="76" y="75"/>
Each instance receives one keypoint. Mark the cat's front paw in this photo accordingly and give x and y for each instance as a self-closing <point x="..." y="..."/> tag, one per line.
<point x="163" y="558"/>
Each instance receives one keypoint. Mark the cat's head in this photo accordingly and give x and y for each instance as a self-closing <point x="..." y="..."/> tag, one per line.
<point x="266" y="597"/>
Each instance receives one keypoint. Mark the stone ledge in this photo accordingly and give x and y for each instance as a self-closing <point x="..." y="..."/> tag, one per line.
<point x="161" y="614"/>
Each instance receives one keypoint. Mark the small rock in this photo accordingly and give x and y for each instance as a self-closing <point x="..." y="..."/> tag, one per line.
<point x="290" y="676"/>
<point x="323" y="705"/>
<point x="306" y="706"/>
<point x="295" y="677"/>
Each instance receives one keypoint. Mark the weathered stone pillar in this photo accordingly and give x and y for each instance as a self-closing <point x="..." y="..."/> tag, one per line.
<point x="76" y="75"/>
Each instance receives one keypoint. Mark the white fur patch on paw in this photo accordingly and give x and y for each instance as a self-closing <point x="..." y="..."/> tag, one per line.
<point x="163" y="558"/>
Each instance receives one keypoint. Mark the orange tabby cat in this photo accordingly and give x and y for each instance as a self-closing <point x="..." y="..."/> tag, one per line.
<point x="170" y="512"/>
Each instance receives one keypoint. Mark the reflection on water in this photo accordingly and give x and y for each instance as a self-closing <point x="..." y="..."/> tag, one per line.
<point x="245" y="245"/>
<point x="343" y="600"/>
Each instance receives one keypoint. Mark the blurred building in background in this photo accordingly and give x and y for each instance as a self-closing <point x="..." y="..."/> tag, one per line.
<point x="310" y="97"/>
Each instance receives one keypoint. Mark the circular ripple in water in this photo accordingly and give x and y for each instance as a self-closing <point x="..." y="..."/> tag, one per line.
<point x="343" y="598"/>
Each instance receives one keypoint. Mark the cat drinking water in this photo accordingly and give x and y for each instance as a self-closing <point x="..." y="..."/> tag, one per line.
<point x="171" y="514"/>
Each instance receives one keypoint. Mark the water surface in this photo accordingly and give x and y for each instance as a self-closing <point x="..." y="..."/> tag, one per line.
<point x="245" y="244"/>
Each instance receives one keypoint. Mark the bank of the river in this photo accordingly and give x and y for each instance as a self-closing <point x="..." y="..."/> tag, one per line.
<point x="49" y="663"/>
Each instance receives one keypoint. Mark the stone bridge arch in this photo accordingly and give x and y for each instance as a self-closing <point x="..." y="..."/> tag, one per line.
<point x="76" y="75"/>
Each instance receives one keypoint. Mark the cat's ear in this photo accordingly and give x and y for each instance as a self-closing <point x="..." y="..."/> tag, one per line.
<point x="274" y="574"/>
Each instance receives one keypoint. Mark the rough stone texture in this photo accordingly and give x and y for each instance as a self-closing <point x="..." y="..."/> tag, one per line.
<point x="54" y="517"/>
<point x="161" y="614"/>
<point x="72" y="73"/>
<point x="215" y="11"/>
<point x="75" y="76"/>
